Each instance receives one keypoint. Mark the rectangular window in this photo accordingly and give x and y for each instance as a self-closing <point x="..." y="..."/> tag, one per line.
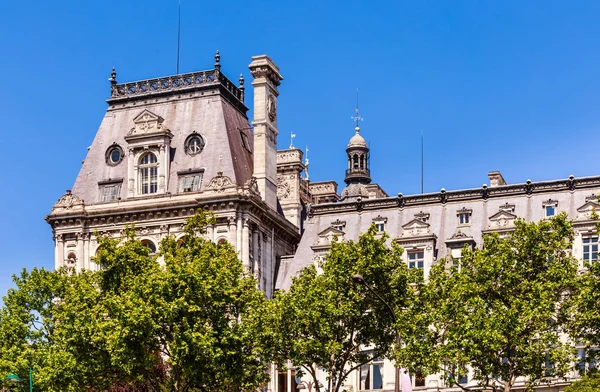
<point x="380" y="227"/>
<point x="549" y="210"/>
<point x="590" y="249"/>
<point x="416" y="259"/>
<point x="464" y="219"/>
<point x="109" y="191"/>
<point x="371" y="375"/>
<point x="339" y="227"/>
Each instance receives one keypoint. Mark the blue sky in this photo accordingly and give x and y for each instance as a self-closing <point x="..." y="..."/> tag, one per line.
<point x="493" y="85"/>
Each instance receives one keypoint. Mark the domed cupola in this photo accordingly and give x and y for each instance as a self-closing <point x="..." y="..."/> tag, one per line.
<point x="358" y="160"/>
<point x="358" y="175"/>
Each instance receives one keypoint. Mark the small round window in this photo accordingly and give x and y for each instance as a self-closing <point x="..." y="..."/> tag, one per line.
<point x="194" y="144"/>
<point x="114" y="154"/>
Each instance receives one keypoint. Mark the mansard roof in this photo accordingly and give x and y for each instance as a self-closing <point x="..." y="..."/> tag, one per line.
<point x="205" y="109"/>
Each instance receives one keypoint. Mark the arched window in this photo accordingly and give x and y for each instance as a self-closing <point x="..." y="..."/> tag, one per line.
<point x="148" y="170"/>
<point x="355" y="161"/>
<point x="150" y="245"/>
<point x="362" y="162"/>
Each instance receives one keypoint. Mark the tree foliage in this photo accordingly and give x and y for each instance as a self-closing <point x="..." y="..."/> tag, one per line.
<point x="583" y="312"/>
<point x="588" y="383"/>
<point x="184" y="323"/>
<point x="497" y="313"/>
<point x="325" y="320"/>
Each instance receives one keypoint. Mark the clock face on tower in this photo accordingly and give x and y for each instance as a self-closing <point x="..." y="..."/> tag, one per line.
<point x="271" y="108"/>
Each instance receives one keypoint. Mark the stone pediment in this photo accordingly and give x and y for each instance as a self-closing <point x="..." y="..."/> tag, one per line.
<point x="502" y="219"/>
<point x="459" y="238"/>
<point x="586" y="210"/>
<point x="147" y="123"/>
<point x="415" y="228"/>
<point x="326" y="237"/>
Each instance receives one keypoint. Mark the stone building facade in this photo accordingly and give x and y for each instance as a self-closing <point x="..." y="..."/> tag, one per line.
<point x="171" y="145"/>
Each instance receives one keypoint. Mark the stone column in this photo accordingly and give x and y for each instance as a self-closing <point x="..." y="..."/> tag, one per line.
<point x="255" y="255"/>
<point x="210" y="232"/>
<point x="131" y="164"/>
<point x="231" y="232"/>
<point x="59" y="251"/>
<point x="246" y="243"/>
<point x="268" y="271"/>
<point x="238" y="241"/>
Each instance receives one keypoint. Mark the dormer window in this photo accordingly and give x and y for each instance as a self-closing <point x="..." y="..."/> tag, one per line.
<point x="148" y="172"/>
<point x="109" y="190"/>
<point x="194" y="144"/>
<point x="190" y="181"/>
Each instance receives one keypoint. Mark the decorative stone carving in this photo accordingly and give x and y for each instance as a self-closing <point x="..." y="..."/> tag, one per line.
<point x="252" y="185"/>
<point x="146" y="122"/>
<point x="68" y="201"/>
<point x="507" y="207"/>
<point x="587" y="210"/>
<point x="271" y="108"/>
<point x="219" y="183"/>
<point x="283" y="189"/>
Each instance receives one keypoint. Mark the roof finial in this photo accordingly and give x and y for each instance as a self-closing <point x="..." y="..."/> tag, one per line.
<point x="292" y="136"/>
<point x="306" y="164"/>
<point x="357" y="118"/>
<point x="242" y="88"/>
<point x="217" y="61"/>
<point x="113" y="76"/>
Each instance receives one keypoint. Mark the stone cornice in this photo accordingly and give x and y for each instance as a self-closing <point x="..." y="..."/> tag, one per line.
<point x="444" y="197"/>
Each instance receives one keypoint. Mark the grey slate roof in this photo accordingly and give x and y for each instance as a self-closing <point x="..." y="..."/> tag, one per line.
<point x="211" y="115"/>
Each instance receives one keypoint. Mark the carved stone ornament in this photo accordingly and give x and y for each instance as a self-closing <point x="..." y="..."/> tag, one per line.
<point x="145" y="123"/>
<point x="283" y="189"/>
<point x="252" y="185"/>
<point x="68" y="201"/>
<point x="271" y="108"/>
<point x="219" y="183"/>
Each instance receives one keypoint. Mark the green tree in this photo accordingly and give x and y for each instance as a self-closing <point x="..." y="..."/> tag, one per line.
<point x="583" y="311"/>
<point x="497" y="313"/>
<point x="324" y="320"/>
<point x="184" y="323"/>
<point x="588" y="383"/>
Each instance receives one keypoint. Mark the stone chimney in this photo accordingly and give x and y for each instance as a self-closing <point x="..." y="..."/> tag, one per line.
<point x="266" y="79"/>
<point x="496" y="179"/>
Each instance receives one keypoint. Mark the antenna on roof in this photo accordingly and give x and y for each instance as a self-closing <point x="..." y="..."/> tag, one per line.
<point x="422" y="163"/>
<point x="178" y="34"/>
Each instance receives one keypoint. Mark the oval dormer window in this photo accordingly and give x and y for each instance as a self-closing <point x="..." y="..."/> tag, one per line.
<point x="114" y="155"/>
<point x="194" y="144"/>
